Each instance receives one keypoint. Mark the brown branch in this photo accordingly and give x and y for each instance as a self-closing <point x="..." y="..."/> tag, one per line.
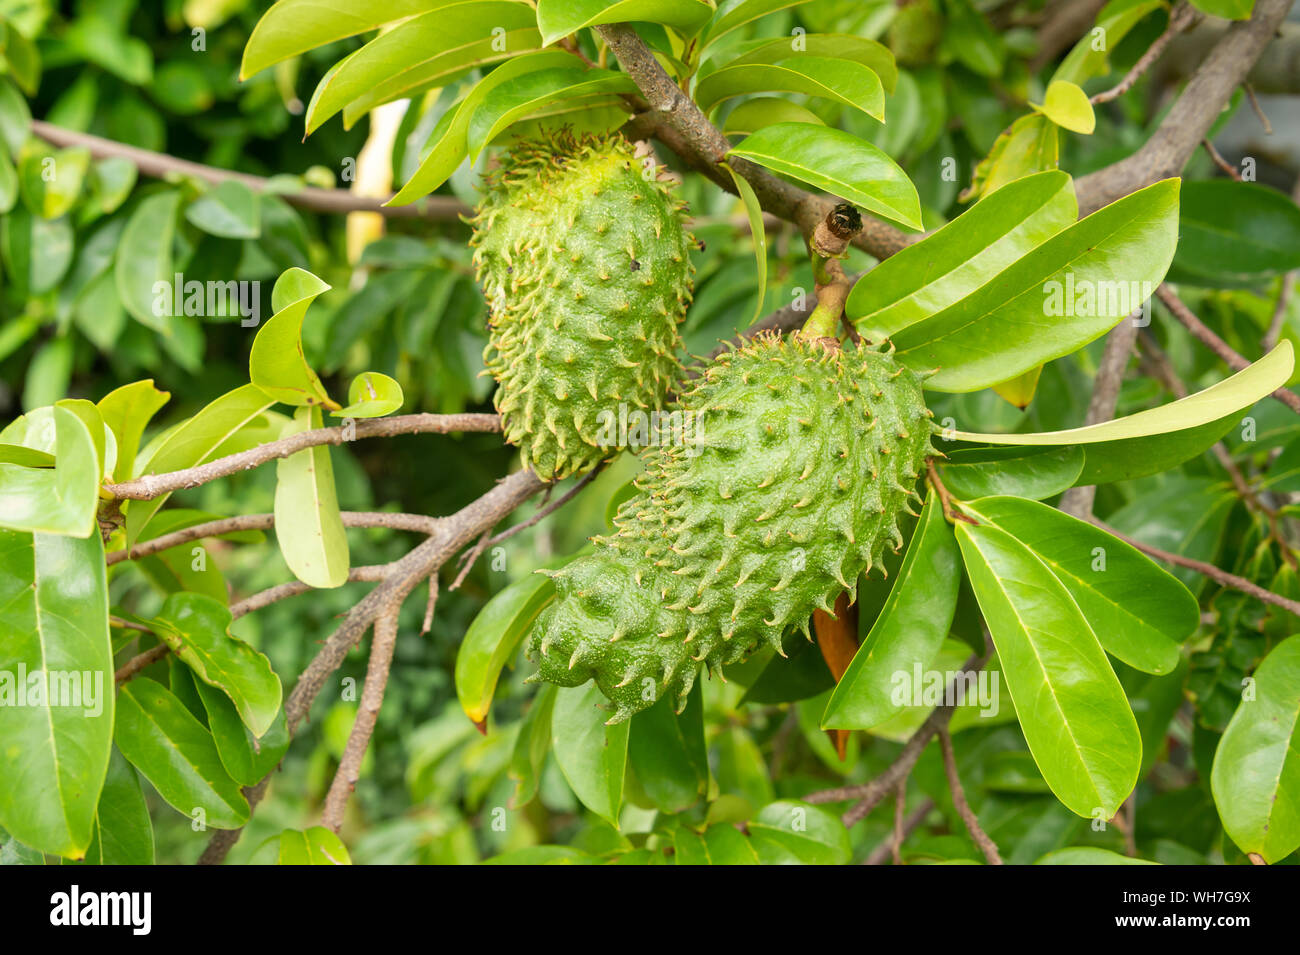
<point x="419" y="523"/>
<point x="1278" y="320"/>
<point x="977" y="833"/>
<point x="900" y="797"/>
<point x="372" y="698"/>
<point x="1064" y="22"/>
<point x="676" y="121"/>
<point x="137" y="663"/>
<point x="1193" y="113"/>
<point x="885" y="850"/>
<point x="1207" y="337"/>
<point x="149" y="486"/>
<point x="1183" y="16"/>
<point x="422" y="562"/>
<point x="366" y="573"/>
<point x="1228" y="168"/>
<point x="162" y="166"/>
<point x="1221" y="577"/>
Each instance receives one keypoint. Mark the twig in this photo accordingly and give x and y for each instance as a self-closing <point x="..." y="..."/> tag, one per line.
<point x="1228" y="168"/>
<point x="1275" y="325"/>
<point x="1216" y="344"/>
<point x="162" y="166"/>
<point x="1180" y="19"/>
<point x="1259" y="110"/>
<point x="139" y="662"/>
<point x="1218" y="575"/>
<point x="427" y="624"/>
<point x="469" y="558"/>
<point x="945" y="496"/>
<point x="1078" y="501"/>
<point x="293" y="588"/>
<point x="419" y="523"/>
<point x="372" y="698"/>
<point x="900" y="798"/>
<point x="880" y="853"/>
<point x="149" y="486"/>
<point x="977" y="833"/>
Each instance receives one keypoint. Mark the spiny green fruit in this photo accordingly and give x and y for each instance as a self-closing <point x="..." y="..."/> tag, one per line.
<point x="584" y="262"/>
<point x="798" y="463"/>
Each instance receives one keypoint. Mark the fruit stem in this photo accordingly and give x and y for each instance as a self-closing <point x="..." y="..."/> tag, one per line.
<point x="945" y="496"/>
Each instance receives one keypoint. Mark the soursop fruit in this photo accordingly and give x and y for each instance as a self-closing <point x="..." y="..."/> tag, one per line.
<point x="584" y="262"/>
<point x="797" y="462"/>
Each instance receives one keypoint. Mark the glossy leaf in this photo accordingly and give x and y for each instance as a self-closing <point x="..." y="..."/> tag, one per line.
<point x="1228" y="9"/>
<point x="842" y="81"/>
<point x="1034" y="473"/>
<point x="1089" y="855"/>
<point x="314" y="846"/>
<point x="1071" y="707"/>
<point x="247" y="758"/>
<point x="1115" y="257"/>
<point x="143" y="270"/>
<point x="229" y="210"/>
<point x="733" y="14"/>
<point x="1028" y="146"/>
<point x="967" y="253"/>
<point x="840" y="46"/>
<point x="668" y="754"/>
<point x="126" y="412"/>
<point x="532" y="745"/>
<point x="558" y="18"/>
<point x="176" y="753"/>
<point x="276" y="363"/>
<point x="753" y="114"/>
<point x="910" y="629"/>
<point x="123" y="833"/>
<point x="591" y="755"/>
<point x="1234" y="234"/>
<point x="1115" y="21"/>
<point x="1256" y="775"/>
<point x="61" y="500"/>
<point x="193" y="442"/>
<point x="53" y="621"/>
<point x="838" y="162"/>
<point x="1139" y="612"/>
<point x="789" y="832"/>
<point x="371" y="395"/>
<point x="197" y="629"/>
<point x="1155" y="440"/>
<point x="754" y="212"/>
<point x="1067" y="105"/>
<point x="51" y="183"/>
<point x="36" y="251"/>
<point x="308" y="525"/>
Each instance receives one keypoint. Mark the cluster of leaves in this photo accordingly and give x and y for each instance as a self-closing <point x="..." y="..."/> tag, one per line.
<point x="1097" y="646"/>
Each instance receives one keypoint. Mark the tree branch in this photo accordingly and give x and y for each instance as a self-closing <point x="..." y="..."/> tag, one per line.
<point x="1183" y="16"/>
<point x="968" y="817"/>
<point x="161" y="166"/>
<point x="149" y="486"/>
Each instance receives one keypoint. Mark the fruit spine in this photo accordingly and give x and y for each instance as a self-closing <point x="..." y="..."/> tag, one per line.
<point x="800" y="462"/>
<point x="585" y="264"/>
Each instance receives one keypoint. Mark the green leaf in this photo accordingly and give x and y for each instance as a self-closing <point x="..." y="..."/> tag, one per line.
<point x="8" y="184"/>
<point x="1089" y="855"/>
<point x="247" y="758"/>
<point x="493" y="638"/>
<point x="753" y="114"/>
<point x="1115" y="21"/>
<point x="842" y="81"/>
<point x="314" y="846"/>
<point x="969" y="38"/>
<point x="58" y="501"/>
<point x="36" y="251"/>
<point x="962" y="256"/>
<point x="558" y="18"/>
<point x="1068" y="106"/>
<point x="1140" y="612"/>
<point x="53" y="620"/>
<point x="111" y="182"/>
<point x="449" y="145"/>
<point x="532" y="746"/>
<point x="126" y="411"/>
<point x="1256" y="774"/>
<point x="193" y="442"/>
<point x="523" y="95"/>
<point x="51" y="182"/>
<point x="307" y="521"/>
<point x="230" y="210"/>
<point x="1183" y="515"/>
<point x="276" y="363"/>
<point x="840" y="46"/>
<point x="425" y="51"/>
<point x="292" y="27"/>
<point x="1235" y="234"/>
<point x="838" y="162"/>
<point x="910" y="629"/>
<point x="1151" y="441"/>
<point x="1155" y="700"/>
<point x="123" y="833"/>
<point x="790" y="832"/>
<point x="733" y="14"/>
<point x="197" y="629"/>
<point x="143" y="268"/>
<point x="1029" y="145"/>
<point x="590" y="754"/>
<point x="1228" y="9"/>
<point x="173" y="750"/>
<point x="754" y="212"/>
<point x="21" y="58"/>
<point x="1035" y="473"/>
<point x="668" y="754"/>
<point x="543" y="855"/>
<point x="1108" y="264"/>
<point x="371" y="395"/>
<point x="1071" y="707"/>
